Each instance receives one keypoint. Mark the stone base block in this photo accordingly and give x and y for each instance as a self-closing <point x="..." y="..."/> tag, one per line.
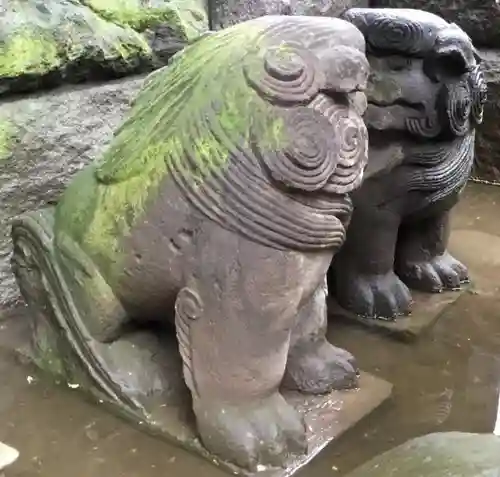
<point x="427" y="309"/>
<point x="169" y="415"/>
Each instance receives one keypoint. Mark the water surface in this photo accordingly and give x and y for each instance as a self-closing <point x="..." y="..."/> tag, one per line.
<point x="448" y="380"/>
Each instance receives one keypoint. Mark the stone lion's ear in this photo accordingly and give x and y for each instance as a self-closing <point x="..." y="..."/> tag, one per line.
<point x="455" y="58"/>
<point x="286" y="74"/>
<point x="448" y="61"/>
<point x="346" y="69"/>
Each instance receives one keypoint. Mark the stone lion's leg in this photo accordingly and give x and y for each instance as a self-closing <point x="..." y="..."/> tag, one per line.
<point x="315" y="365"/>
<point x="422" y="260"/>
<point x="363" y="278"/>
<point x="98" y="306"/>
<point x="233" y="322"/>
<point x="62" y="281"/>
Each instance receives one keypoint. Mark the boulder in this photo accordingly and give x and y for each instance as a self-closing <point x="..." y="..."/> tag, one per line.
<point x="224" y="13"/>
<point x="49" y="42"/>
<point x="438" y="455"/>
<point x="487" y="165"/>
<point x="44" y="141"/>
<point x="479" y="18"/>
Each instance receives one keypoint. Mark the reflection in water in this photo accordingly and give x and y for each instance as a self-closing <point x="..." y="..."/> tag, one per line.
<point x="448" y="380"/>
<point x="438" y="407"/>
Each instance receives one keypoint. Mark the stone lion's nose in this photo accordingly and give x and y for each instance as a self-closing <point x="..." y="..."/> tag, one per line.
<point x="346" y="70"/>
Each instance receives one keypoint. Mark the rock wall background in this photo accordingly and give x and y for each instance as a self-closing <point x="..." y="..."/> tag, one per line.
<point x="49" y="134"/>
<point x="44" y="43"/>
<point x="46" y="140"/>
<point x="224" y="13"/>
<point x="479" y="18"/>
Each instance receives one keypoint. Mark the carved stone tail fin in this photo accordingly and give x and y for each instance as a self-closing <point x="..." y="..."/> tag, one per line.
<point x="59" y="330"/>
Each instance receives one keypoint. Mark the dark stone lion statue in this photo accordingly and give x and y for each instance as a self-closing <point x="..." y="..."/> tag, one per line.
<point x="425" y="96"/>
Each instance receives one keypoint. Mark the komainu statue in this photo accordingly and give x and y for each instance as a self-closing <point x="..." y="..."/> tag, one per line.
<point x="425" y="96"/>
<point x="216" y="210"/>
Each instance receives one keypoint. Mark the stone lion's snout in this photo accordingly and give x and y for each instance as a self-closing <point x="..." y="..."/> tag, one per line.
<point x="345" y="69"/>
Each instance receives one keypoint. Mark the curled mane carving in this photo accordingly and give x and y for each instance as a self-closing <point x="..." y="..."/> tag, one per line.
<point x="286" y="74"/>
<point x="390" y="30"/>
<point x="218" y="123"/>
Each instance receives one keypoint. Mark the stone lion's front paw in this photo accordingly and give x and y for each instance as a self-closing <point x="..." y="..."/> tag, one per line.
<point x="443" y="272"/>
<point x="263" y="432"/>
<point x="375" y="296"/>
<point x="319" y="367"/>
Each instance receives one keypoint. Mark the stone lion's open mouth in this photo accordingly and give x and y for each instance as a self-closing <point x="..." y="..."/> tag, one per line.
<point x="402" y="102"/>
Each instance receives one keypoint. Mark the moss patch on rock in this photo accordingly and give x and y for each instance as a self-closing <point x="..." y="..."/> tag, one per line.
<point x="45" y="43"/>
<point x="7" y="138"/>
<point x="29" y="52"/>
<point x="186" y="18"/>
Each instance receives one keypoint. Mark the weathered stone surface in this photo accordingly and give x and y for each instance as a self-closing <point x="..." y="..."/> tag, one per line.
<point x="215" y="212"/>
<point x="43" y="142"/>
<point x="45" y="43"/>
<point x="224" y="13"/>
<point x="425" y="95"/>
<point x="487" y="163"/>
<point x="426" y="311"/>
<point x="438" y="455"/>
<point x="328" y="416"/>
<point x="479" y="18"/>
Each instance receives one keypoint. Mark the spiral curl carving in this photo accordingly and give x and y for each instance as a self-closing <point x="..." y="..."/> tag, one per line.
<point x="479" y="93"/>
<point x="396" y="34"/>
<point x="457" y="104"/>
<point x="309" y="158"/>
<point x="188" y="305"/>
<point x="288" y="74"/>
<point x="352" y="138"/>
<point x="450" y="170"/>
<point x="188" y="308"/>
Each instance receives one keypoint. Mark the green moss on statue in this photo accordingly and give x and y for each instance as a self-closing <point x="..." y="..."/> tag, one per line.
<point x="197" y="108"/>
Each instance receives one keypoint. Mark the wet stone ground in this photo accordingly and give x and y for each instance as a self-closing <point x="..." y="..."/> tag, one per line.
<point x="448" y="380"/>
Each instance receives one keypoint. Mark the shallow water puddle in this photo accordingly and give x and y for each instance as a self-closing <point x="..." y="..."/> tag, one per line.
<point x="447" y="380"/>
